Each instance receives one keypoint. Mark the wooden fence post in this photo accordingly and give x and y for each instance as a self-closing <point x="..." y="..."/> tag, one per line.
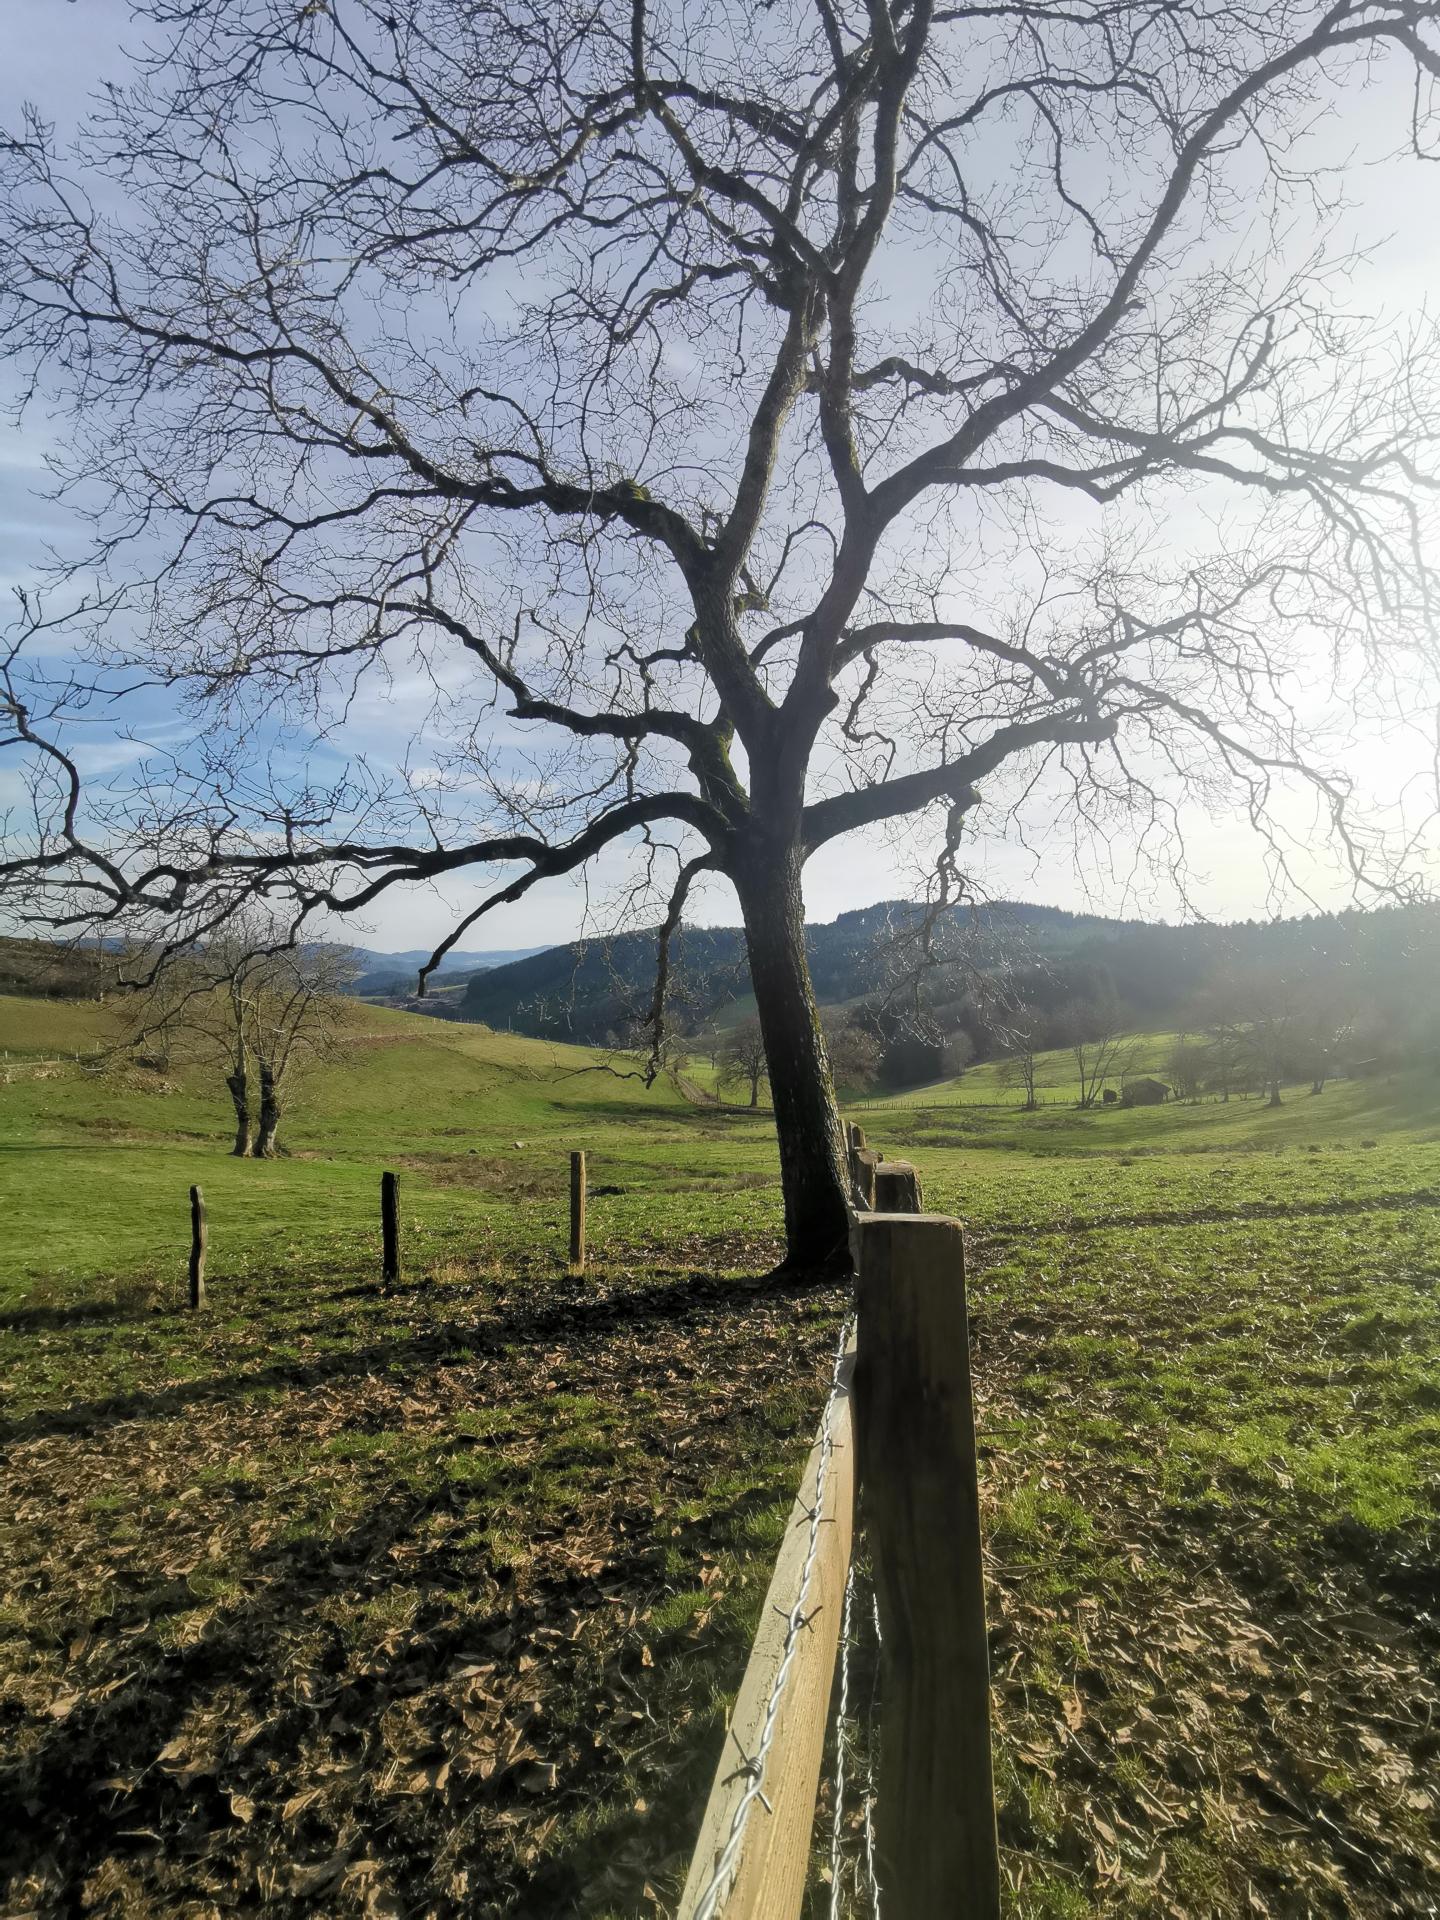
<point x="199" y="1235"/>
<point x="915" y="1433"/>
<point x="577" y="1213"/>
<point x="390" y="1226"/>
<point x="864" y="1166"/>
<point x="895" y="1188"/>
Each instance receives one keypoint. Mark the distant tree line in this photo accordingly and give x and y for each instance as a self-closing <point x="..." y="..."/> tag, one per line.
<point x="1275" y="1016"/>
<point x="1257" y="1007"/>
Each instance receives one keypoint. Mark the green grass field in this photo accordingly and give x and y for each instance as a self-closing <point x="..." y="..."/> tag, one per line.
<point x="1057" y="1083"/>
<point x="430" y="1603"/>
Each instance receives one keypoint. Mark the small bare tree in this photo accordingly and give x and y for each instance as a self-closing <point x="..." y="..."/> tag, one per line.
<point x="743" y="1058"/>
<point x="197" y="1004"/>
<point x="714" y="388"/>
<point x="855" y="1052"/>
<point x="1100" y="1049"/>
<point x="256" y="1013"/>
<point x="297" y="1018"/>
<point x="1217" y="1022"/>
<point x="1020" y="1065"/>
<point x="959" y="1051"/>
<point x="1185" y="1067"/>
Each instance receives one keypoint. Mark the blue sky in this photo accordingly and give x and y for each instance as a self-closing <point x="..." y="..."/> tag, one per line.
<point x="58" y="51"/>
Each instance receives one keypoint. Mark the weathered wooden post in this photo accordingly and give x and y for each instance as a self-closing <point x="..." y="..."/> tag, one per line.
<point x="199" y="1236"/>
<point x="864" y="1165"/>
<point x="390" y="1226"/>
<point x="577" y="1213"/>
<point x="915" y="1436"/>
<point x="896" y="1188"/>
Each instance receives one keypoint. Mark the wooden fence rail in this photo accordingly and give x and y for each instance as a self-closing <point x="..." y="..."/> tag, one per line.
<point x="900" y="1440"/>
<point x="769" y="1880"/>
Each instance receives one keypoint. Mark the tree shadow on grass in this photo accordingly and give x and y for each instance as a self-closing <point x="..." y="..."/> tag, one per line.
<point x="55" y="1319"/>
<point x="677" y="1301"/>
<point x="258" y="1761"/>
<point x="148" y="1776"/>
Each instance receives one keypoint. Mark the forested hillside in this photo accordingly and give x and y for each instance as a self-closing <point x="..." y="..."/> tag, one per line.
<point x="985" y="970"/>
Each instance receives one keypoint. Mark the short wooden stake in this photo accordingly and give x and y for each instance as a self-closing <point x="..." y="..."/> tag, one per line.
<point x="199" y="1235"/>
<point x="577" y="1213"/>
<point x="915" y="1437"/>
<point x="390" y="1225"/>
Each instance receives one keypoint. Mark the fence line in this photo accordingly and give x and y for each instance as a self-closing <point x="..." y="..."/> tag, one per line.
<point x="929" y="1824"/>
<point x="784" y="1695"/>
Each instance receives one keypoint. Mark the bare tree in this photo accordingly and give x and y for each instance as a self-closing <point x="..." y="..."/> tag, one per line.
<point x="1185" y="1067"/>
<point x="704" y="385"/>
<point x="1214" y="1017"/>
<point x="1020" y="1064"/>
<point x="199" y="1004"/>
<point x="744" y="1059"/>
<point x="296" y="1018"/>
<point x="855" y="1052"/>
<point x="1285" y="1022"/>
<point x="1099" y="1050"/>
<point x="1324" y="1028"/>
<point x="257" y="1013"/>
<point x="958" y="1053"/>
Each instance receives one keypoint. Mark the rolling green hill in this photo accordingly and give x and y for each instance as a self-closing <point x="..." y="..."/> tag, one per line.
<point x="595" y="991"/>
<point x="97" y="1162"/>
<point x="480" y="1124"/>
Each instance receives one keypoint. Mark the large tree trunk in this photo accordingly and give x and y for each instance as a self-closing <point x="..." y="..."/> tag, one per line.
<point x="813" y="1174"/>
<point x="269" y="1115"/>
<point x="239" y="1086"/>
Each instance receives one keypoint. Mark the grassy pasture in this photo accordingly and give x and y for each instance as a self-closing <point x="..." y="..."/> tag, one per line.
<point x="432" y="1604"/>
<point x="1057" y="1082"/>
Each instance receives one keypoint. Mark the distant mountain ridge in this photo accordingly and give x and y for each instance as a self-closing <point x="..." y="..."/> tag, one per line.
<point x="397" y="972"/>
<point x="59" y="970"/>
<point x="591" y="990"/>
<point x="457" y="960"/>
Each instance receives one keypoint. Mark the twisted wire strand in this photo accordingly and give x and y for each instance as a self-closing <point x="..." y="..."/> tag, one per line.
<point x="720" y="1880"/>
<point x="867" y="1801"/>
<point x="842" y="1721"/>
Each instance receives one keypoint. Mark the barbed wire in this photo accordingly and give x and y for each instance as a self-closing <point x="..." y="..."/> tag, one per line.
<point x="871" y="1741"/>
<point x="797" y="1620"/>
<point x="842" y="1721"/>
<point x="859" y="1871"/>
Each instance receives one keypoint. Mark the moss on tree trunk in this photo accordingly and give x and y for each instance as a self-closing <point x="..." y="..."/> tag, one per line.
<point x="265" y="1148"/>
<point x="239" y="1086"/>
